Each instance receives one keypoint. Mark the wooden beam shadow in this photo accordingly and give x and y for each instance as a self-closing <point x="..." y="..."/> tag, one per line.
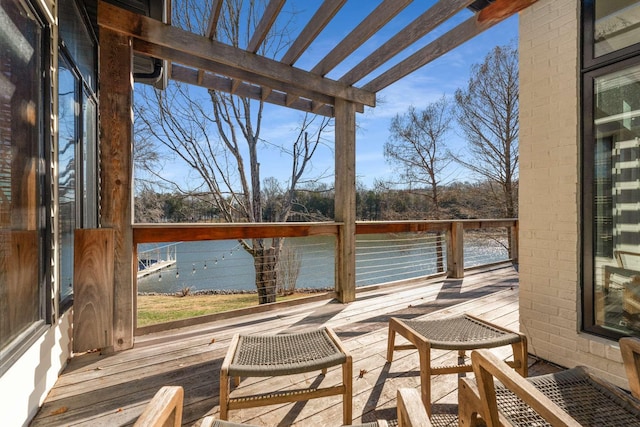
<point x="319" y="316"/>
<point x="369" y="412"/>
<point x="297" y="407"/>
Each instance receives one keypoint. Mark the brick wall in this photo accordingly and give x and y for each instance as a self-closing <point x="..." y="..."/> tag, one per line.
<point x="550" y="304"/>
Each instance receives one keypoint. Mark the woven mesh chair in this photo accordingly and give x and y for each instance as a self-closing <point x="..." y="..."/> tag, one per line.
<point x="573" y="397"/>
<point x="284" y="354"/>
<point x="460" y="333"/>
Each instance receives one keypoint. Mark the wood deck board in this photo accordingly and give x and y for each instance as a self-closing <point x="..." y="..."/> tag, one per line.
<point x="113" y="389"/>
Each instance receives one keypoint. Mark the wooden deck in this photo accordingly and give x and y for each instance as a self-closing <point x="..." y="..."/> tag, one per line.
<point x="112" y="390"/>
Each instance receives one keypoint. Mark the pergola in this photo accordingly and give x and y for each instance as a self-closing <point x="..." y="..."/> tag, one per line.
<point x="203" y="61"/>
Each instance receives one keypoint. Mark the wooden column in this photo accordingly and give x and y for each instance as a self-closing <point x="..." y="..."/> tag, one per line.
<point x="345" y="201"/>
<point x="116" y="142"/>
<point x="455" y="251"/>
<point x="514" y="242"/>
<point x="92" y="286"/>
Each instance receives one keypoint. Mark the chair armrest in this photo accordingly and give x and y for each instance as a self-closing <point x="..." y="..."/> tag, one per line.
<point x="630" y="349"/>
<point x="411" y="410"/>
<point x="164" y="409"/>
<point x="487" y="366"/>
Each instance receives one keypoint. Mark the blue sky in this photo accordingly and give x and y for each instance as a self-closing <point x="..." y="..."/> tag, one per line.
<point x="441" y="77"/>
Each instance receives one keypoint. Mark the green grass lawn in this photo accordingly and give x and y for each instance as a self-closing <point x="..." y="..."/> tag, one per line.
<point x="154" y="309"/>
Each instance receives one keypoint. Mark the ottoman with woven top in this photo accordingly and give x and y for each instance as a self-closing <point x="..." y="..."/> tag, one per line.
<point x="284" y="354"/>
<point x="460" y="333"/>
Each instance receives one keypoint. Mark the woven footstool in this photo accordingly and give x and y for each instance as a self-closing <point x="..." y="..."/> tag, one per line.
<point x="460" y="333"/>
<point x="284" y="354"/>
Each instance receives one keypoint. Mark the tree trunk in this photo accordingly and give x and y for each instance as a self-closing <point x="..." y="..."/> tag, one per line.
<point x="265" y="261"/>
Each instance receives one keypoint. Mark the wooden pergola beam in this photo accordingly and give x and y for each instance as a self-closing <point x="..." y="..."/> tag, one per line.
<point x="422" y="25"/>
<point x="236" y="61"/>
<point x="321" y="18"/>
<point x="485" y="19"/>
<point x="223" y="70"/>
<point x="224" y="84"/>
<point x="212" y="26"/>
<point x="268" y="18"/>
<point x="372" y="23"/>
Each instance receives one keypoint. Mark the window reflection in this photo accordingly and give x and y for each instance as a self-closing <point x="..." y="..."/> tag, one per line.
<point x="67" y="163"/>
<point x="617" y="25"/>
<point x="617" y="200"/>
<point x="21" y="185"/>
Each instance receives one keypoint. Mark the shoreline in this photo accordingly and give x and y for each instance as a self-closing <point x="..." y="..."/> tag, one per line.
<point x="213" y="292"/>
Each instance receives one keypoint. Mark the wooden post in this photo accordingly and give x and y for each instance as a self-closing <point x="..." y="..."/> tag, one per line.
<point x="345" y="201"/>
<point x="116" y="146"/>
<point x="514" y="242"/>
<point x="93" y="284"/>
<point x="455" y="251"/>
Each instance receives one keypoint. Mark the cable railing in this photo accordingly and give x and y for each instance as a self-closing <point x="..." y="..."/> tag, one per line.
<point x="213" y="258"/>
<point x="383" y="258"/>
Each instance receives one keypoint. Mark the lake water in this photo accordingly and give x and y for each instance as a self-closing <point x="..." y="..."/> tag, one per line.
<point x="225" y="265"/>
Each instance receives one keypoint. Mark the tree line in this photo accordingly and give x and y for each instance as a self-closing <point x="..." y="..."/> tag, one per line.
<point x="458" y="200"/>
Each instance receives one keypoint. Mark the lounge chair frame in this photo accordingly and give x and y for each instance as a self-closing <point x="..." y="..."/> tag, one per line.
<point x="465" y="332"/>
<point x="285" y="354"/>
<point x="572" y="397"/>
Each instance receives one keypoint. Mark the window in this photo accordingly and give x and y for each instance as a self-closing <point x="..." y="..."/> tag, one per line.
<point x="77" y="140"/>
<point x="611" y="169"/>
<point x="24" y="230"/>
<point x="68" y="129"/>
<point x="611" y="29"/>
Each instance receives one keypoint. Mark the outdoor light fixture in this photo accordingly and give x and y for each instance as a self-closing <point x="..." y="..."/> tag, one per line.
<point x="478" y="5"/>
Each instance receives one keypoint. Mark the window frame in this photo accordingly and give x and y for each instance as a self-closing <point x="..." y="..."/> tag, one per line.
<point x="589" y="61"/>
<point x="588" y="214"/>
<point x="86" y="208"/>
<point x="25" y="340"/>
<point x="591" y="69"/>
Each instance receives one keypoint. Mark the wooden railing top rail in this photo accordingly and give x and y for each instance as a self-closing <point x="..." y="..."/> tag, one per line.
<point x="473" y="224"/>
<point x="154" y="233"/>
<point x="374" y="227"/>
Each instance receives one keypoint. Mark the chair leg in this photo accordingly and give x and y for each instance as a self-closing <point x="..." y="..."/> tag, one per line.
<point x="224" y="394"/>
<point x="424" y="353"/>
<point x="391" y="339"/>
<point x="520" y="356"/>
<point x="468" y="405"/>
<point x="347" y="398"/>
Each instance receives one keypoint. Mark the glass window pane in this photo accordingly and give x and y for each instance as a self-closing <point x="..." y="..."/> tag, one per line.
<point x="617" y="25"/>
<point x="90" y="167"/>
<point x="67" y="159"/>
<point x="617" y="200"/>
<point x="78" y="40"/>
<point x="21" y="151"/>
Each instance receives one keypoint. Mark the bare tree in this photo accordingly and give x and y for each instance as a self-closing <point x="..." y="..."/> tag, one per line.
<point x="217" y="135"/>
<point x="487" y="112"/>
<point x="417" y="144"/>
<point x="288" y="270"/>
